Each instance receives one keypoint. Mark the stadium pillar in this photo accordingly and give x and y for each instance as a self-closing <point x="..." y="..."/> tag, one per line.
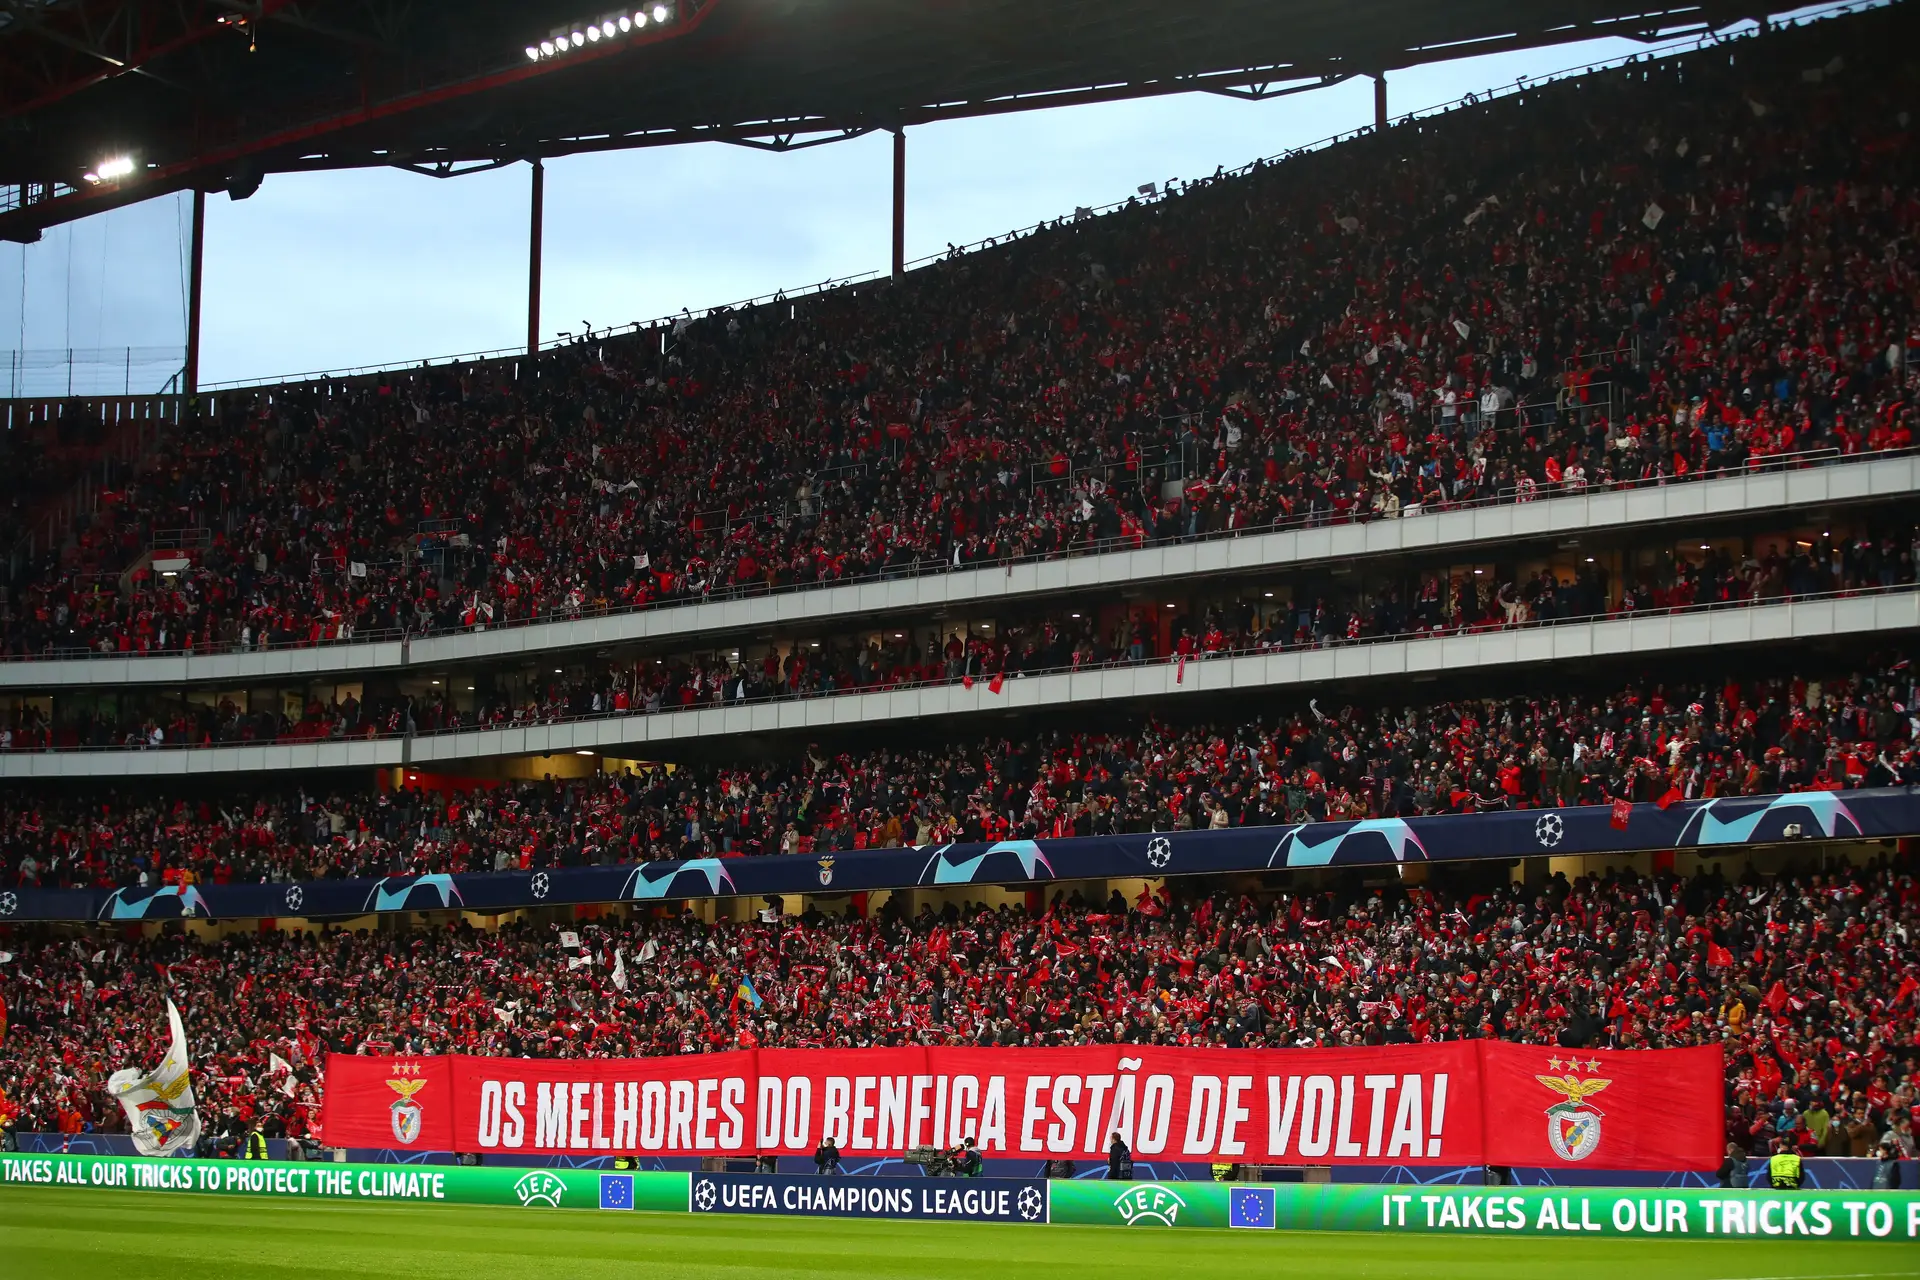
<point x="196" y="256"/>
<point x="1380" y="103"/>
<point x="899" y="202"/>
<point x="533" y="257"/>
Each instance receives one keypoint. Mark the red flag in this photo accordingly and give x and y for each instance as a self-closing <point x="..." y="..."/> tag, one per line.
<point x="1668" y="800"/>
<point x="1622" y="814"/>
<point x="1908" y="986"/>
<point x="999" y="678"/>
<point x="966" y="682"/>
<point x="1718" y="957"/>
<point x="1180" y="673"/>
<point x="1776" y="997"/>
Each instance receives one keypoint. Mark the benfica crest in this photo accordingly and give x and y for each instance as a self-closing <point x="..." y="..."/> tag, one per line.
<point x="1573" y="1127"/>
<point x="406" y="1112"/>
<point x="163" y="1120"/>
<point x="826" y="872"/>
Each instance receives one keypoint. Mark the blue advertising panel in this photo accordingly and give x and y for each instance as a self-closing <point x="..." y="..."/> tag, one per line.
<point x="1021" y="1200"/>
<point x="1722" y="823"/>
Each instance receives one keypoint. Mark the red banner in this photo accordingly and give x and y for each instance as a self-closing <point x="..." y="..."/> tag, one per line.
<point x="1463" y="1102"/>
<point x="1658" y="1109"/>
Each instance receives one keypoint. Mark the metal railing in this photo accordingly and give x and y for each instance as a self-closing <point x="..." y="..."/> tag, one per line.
<point x="931" y="564"/>
<point x="986" y="677"/>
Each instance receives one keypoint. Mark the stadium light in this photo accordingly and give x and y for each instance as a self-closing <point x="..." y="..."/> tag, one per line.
<point x="608" y="27"/>
<point x="110" y="169"/>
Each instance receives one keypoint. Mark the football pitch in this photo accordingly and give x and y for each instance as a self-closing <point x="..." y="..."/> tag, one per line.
<point x="81" y="1234"/>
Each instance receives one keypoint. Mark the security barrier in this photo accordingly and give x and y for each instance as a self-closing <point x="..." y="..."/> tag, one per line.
<point x="1413" y="1210"/>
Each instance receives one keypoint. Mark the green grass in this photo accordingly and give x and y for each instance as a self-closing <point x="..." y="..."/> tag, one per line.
<point x="79" y="1234"/>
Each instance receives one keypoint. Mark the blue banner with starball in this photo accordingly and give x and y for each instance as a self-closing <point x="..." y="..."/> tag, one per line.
<point x="1699" y="825"/>
<point x="938" y="1199"/>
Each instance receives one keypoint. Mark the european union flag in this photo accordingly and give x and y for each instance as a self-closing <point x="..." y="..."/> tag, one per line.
<point x="1250" y="1207"/>
<point x="616" y="1191"/>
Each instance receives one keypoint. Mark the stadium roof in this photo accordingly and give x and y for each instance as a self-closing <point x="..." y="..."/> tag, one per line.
<point x="217" y="94"/>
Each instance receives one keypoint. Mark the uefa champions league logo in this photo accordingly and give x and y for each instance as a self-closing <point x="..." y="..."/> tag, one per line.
<point x="539" y="885"/>
<point x="1159" y="853"/>
<point x="8" y="904"/>
<point x="704" y="1195"/>
<point x="1548" y="829"/>
<point x="296" y="898"/>
<point x="1030" y="1203"/>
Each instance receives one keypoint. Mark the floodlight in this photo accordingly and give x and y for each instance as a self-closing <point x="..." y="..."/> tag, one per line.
<point x="546" y="48"/>
<point x="578" y="39"/>
<point x="115" y="167"/>
<point x="560" y="43"/>
<point x="626" y="24"/>
<point x="533" y="54"/>
<point x="640" y="18"/>
<point x="593" y="33"/>
<point x="607" y="28"/>
<point x="661" y="13"/>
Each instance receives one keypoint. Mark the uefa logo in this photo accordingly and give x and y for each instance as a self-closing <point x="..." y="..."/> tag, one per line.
<point x="540" y="1187"/>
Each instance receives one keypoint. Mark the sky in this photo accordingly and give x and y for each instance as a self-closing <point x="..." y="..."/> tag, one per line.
<point x="335" y="270"/>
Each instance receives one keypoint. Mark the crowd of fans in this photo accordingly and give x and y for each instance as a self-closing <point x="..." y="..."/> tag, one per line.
<point x="1649" y="741"/>
<point x="1808" y="981"/>
<point x="1316" y="610"/>
<point x="1650" y="274"/>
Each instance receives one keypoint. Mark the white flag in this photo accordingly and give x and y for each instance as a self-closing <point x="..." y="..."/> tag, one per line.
<point x="649" y="951"/>
<point x="620" y="970"/>
<point x="575" y="962"/>
<point x="1651" y="218"/>
<point x="568" y="938"/>
<point x="283" y="1069"/>
<point x="159" y="1103"/>
<point x="356" y="568"/>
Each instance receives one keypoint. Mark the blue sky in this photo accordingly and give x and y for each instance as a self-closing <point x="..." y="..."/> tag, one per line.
<point x="321" y="271"/>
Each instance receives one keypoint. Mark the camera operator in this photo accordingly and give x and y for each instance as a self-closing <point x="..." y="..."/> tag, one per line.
<point x="965" y="1160"/>
<point x="826" y="1157"/>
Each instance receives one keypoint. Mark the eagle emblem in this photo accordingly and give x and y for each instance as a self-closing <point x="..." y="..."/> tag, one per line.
<point x="1573" y="1126"/>
<point x="406" y="1111"/>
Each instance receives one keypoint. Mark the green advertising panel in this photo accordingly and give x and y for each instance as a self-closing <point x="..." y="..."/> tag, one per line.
<point x="414" y="1183"/>
<point x="1531" y="1211"/>
<point x="1692" y="1213"/>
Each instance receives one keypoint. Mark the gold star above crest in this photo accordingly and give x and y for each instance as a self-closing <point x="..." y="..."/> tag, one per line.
<point x="1593" y="1064"/>
<point x="1553" y="1064"/>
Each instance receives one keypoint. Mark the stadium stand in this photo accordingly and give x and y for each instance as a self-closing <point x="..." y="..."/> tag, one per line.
<point x="1660" y="276"/>
<point x="1311" y="612"/>
<point x="1480" y="308"/>
<point x="1798" y="977"/>
<point x="1716" y="736"/>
